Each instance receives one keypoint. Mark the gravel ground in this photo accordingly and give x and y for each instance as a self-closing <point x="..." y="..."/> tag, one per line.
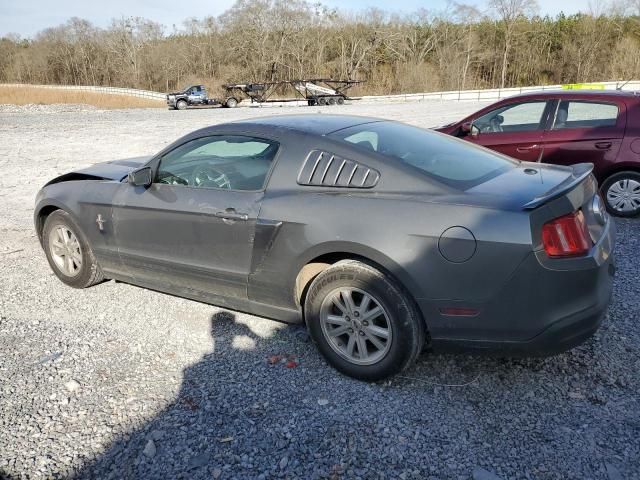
<point x="120" y="382"/>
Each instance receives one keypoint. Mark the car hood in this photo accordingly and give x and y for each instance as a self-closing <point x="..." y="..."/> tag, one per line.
<point x="112" y="170"/>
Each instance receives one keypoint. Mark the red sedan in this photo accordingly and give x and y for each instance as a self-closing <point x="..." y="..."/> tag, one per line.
<point x="567" y="127"/>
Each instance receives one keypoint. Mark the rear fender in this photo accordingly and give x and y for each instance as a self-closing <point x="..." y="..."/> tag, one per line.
<point x="355" y="251"/>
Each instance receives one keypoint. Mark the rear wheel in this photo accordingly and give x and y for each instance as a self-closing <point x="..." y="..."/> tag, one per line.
<point x="332" y="100"/>
<point x="181" y="105"/>
<point x="621" y="193"/>
<point x="231" y="102"/>
<point x="322" y="101"/>
<point x="363" y="322"/>
<point x="340" y="100"/>
<point x="68" y="251"/>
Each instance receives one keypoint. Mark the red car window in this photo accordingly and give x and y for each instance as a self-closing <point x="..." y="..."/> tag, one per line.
<point x="518" y="117"/>
<point x="585" y="114"/>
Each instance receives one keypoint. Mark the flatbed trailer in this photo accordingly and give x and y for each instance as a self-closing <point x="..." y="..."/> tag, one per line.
<point x="316" y="91"/>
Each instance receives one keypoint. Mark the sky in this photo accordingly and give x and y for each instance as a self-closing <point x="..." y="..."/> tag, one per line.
<point x="27" y="17"/>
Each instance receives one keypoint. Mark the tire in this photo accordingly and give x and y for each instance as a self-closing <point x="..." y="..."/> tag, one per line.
<point x="88" y="272"/>
<point x="311" y="102"/>
<point x="340" y="100"/>
<point x="331" y="100"/>
<point x="616" y="187"/>
<point x="231" y="102"/>
<point x="322" y="101"/>
<point x="398" y="317"/>
<point x="181" y="105"/>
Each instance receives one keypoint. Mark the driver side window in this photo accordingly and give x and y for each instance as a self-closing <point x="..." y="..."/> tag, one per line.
<point x="231" y="162"/>
<point x="519" y="117"/>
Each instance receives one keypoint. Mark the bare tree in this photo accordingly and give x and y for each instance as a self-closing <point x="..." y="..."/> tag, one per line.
<point x="508" y="13"/>
<point x="258" y="40"/>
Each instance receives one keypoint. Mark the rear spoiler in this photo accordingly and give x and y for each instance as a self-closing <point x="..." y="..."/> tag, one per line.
<point x="579" y="173"/>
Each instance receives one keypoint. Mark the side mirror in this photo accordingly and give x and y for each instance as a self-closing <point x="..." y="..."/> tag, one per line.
<point x="141" y="177"/>
<point x="470" y="129"/>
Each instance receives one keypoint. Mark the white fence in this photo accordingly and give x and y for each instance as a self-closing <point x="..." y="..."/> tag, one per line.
<point x="489" y="94"/>
<point x="462" y="95"/>
<point x="131" y="92"/>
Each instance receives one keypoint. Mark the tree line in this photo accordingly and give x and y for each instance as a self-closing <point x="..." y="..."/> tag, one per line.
<point x="462" y="47"/>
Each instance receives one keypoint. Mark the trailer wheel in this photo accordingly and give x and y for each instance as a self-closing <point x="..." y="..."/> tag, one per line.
<point x="231" y="102"/>
<point x="331" y="100"/>
<point x="340" y="100"/>
<point x="322" y="101"/>
<point x="181" y="105"/>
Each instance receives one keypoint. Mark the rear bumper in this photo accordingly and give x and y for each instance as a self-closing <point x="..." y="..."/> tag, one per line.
<point x="559" y="337"/>
<point x="541" y="310"/>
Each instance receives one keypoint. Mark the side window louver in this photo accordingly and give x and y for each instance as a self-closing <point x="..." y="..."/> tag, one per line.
<point x="323" y="169"/>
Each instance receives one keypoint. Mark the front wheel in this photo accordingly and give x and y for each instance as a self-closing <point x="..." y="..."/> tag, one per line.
<point x="621" y="193"/>
<point x="363" y="322"/>
<point x="181" y="105"/>
<point x="68" y="251"/>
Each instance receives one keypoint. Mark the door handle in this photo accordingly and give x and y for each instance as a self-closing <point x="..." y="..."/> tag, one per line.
<point x="527" y="149"/>
<point x="231" y="214"/>
<point x="603" y="145"/>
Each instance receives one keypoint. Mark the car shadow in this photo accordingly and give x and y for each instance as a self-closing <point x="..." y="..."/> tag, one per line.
<point x="263" y="404"/>
<point x="221" y="412"/>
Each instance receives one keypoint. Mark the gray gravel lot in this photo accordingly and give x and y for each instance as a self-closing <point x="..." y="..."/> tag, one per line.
<point x="120" y="382"/>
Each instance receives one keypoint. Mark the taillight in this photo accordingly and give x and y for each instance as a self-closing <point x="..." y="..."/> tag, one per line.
<point x="566" y="236"/>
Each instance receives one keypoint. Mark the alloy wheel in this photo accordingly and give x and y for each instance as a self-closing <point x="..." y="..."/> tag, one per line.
<point x="65" y="250"/>
<point x="356" y="326"/>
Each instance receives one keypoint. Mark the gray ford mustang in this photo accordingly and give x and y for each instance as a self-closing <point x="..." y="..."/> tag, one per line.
<point x="384" y="238"/>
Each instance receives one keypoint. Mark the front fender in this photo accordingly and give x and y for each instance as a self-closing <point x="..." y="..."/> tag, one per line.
<point x="44" y="205"/>
<point x="84" y="201"/>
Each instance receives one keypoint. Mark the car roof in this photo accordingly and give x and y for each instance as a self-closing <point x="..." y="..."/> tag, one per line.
<point x="318" y="124"/>
<point x="579" y="93"/>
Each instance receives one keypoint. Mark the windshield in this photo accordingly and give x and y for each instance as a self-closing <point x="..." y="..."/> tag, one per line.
<point x="451" y="161"/>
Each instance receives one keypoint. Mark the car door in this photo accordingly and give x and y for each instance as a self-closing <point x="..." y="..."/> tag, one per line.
<point x="585" y="131"/>
<point x="192" y="230"/>
<point x="515" y="129"/>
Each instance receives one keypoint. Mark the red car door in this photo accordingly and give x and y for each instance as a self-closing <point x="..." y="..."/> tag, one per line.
<point x="585" y="131"/>
<point x="515" y="129"/>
